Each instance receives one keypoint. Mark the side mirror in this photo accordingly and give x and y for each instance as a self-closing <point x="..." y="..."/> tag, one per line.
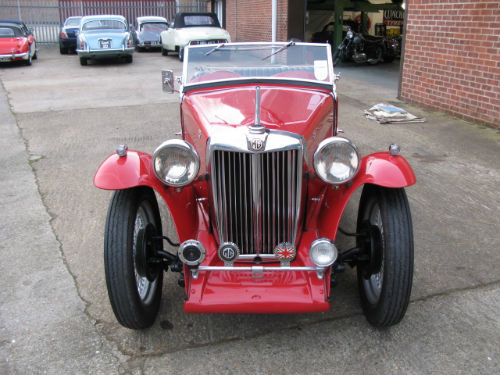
<point x="167" y="81"/>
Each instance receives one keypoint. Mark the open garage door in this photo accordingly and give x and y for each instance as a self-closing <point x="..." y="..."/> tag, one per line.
<point x="372" y="52"/>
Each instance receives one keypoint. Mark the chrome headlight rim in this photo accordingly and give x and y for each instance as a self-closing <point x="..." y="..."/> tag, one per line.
<point x="182" y="145"/>
<point x="192" y="243"/>
<point x="326" y="142"/>
<point x="321" y="242"/>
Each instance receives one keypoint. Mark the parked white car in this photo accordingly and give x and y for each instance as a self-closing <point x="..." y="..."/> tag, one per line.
<point x="192" y="29"/>
<point x="146" y="32"/>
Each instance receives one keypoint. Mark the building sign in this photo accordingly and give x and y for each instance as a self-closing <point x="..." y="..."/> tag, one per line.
<point x="394" y="17"/>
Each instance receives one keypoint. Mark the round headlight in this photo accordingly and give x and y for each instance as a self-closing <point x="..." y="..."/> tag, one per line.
<point x="192" y="253"/>
<point x="323" y="252"/>
<point x="336" y="160"/>
<point x="176" y="162"/>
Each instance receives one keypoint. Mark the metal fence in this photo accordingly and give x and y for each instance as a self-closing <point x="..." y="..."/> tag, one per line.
<point x="45" y="17"/>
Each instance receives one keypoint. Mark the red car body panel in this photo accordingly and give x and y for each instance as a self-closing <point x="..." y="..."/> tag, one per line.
<point x="239" y="292"/>
<point x="136" y="169"/>
<point x="16" y="45"/>
<point x="310" y="112"/>
<point x="378" y="169"/>
<point x="305" y="111"/>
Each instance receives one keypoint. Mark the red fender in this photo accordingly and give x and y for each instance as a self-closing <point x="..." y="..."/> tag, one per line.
<point x="136" y="169"/>
<point x="379" y="169"/>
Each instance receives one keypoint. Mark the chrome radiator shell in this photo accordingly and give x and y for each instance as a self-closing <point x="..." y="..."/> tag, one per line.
<point x="256" y="194"/>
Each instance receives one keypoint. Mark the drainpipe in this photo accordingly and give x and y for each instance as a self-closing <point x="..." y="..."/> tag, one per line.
<point x="274" y="21"/>
<point x="403" y="43"/>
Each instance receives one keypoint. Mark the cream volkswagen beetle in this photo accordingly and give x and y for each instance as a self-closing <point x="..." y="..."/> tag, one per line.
<point x="192" y="29"/>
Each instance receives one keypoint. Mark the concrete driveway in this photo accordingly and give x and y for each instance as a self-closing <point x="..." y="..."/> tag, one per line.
<point x="59" y="121"/>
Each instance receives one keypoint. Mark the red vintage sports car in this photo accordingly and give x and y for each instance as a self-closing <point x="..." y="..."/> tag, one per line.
<point x="256" y="187"/>
<point x="17" y="42"/>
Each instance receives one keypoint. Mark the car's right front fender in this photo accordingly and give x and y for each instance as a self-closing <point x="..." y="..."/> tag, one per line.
<point x="136" y="169"/>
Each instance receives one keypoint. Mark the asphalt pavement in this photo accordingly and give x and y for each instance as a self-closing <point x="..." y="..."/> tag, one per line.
<point x="59" y="120"/>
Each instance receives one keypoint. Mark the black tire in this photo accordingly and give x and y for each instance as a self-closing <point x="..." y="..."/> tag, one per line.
<point x="35" y="55"/>
<point x="378" y="56"/>
<point x="181" y="53"/>
<point x="164" y="51"/>
<point x="129" y="59"/>
<point x="63" y="50"/>
<point x="385" y="295"/>
<point x="83" y="61"/>
<point x="28" y="61"/>
<point x="389" y="58"/>
<point x="129" y="211"/>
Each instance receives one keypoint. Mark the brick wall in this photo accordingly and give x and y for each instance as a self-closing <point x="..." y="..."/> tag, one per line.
<point x="249" y="21"/>
<point x="452" y="58"/>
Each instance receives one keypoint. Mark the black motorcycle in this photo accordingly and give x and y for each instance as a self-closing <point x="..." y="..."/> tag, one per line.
<point x="363" y="48"/>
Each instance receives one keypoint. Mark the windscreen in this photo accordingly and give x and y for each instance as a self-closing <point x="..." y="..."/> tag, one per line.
<point x="154" y="26"/>
<point x="104" y="24"/>
<point x="198" y="20"/>
<point x="9" y="32"/>
<point x="189" y="20"/>
<point x="72" y="22"/>
<point x="232" y="61"/>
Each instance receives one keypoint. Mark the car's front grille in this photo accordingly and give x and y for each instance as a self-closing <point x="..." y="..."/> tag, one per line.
<point x="257" y="198"/>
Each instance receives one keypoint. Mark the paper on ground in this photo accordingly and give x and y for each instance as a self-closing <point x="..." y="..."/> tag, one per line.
<point x="385" y="114"/>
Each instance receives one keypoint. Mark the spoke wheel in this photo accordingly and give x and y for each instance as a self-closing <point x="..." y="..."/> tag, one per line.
<point x="385" y="280"/>
<point x="134" y="291"/>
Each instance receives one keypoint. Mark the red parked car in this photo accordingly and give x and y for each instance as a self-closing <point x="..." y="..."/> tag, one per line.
<point x="256" y="187"/>
<point x="17" y="42"/>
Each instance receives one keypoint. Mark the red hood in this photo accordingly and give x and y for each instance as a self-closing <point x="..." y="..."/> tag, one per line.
<point x="282" y="108"/>
<point x="304" y="111"/>
<point x="7" y="44"/>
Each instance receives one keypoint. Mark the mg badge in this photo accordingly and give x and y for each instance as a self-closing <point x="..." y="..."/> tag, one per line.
<point x="257" y="144"/>
<point x="228" y="252"/>
<point x="256" y="141"/>
<point x="285" y="252"/>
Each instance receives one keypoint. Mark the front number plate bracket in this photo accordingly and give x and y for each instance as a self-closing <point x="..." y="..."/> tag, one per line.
<point x="257" y="272"/>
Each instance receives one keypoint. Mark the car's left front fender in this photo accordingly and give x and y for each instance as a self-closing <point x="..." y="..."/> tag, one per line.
<point x="380" y="169"/>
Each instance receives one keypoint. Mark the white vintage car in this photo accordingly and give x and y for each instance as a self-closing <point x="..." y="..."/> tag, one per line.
<point x="192" y="29"/>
